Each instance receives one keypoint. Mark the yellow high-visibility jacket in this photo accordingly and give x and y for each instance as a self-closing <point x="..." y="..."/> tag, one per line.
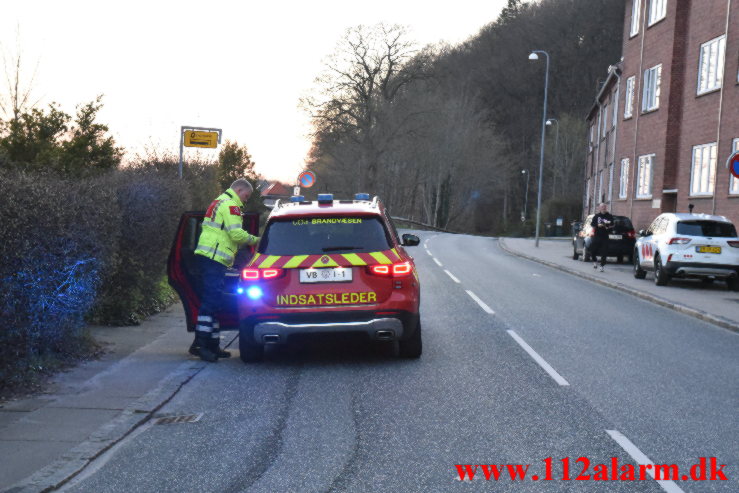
<point x="223" y="233"/>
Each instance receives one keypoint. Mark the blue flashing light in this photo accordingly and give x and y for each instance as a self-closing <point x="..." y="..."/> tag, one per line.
<point x="240" y="290"/>
<point x="361" y="196"/>
<point x="254" y="292"/>
<point x="325" y="198"/>
<point x="297" y="198"/>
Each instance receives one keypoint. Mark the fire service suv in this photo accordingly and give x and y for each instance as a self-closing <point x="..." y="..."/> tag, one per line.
<point x="321" y="267"/>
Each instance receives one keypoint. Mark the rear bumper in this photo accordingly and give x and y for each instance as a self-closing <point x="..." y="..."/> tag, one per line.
<point x="696" y="269"/>
<point x="380" y="329"/>
<point x="383" y="326"/>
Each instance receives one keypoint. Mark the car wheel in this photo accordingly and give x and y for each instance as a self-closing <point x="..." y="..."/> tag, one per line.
<point x="413" y="347"/>
<point x="575" y="255"/>
<point x="631" y="259"/>
<point x="661" y="278"/>
<point x="585" y="254"/>
<point x="639" y="273"/>
<point x="732" y="283"/>
<point x="249" y="352"/>
<point x="620" y="259"/>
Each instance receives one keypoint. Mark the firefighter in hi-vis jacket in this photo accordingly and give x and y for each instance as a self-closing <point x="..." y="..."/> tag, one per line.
<point x="221" y="237"/>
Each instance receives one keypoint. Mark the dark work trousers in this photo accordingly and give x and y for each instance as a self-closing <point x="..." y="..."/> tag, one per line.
<point x="213" y="277"/>
<point x="599" y="246"/>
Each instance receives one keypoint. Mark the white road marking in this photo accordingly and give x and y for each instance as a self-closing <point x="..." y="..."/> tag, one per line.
<point x="536" y="275"/>
<point x="427" y="251"/>
<point x="479" y="302"/>
<point x="639" y="457"/>
<point x="541" y="361"/>
<point x="452" y="276"/>
<point x="437" y="262"/>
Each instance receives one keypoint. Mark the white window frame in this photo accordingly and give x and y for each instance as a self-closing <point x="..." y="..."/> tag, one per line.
<point x="629" y="97"/>
<point x="598" y="196"/>
<point x="623" y="188"/>
<point x="644" y="173"/>
<point x="587" y="194"/>
<point x="657" y="11"/>
<point x="650" y="93"/>
<point x="711" y="65"/>
<point x="734" y="182"/>
<point x="605" y="119"/>
<point x="635" y="18"/>
<point x="703" y="170"/>
<point x="610" y="183"/>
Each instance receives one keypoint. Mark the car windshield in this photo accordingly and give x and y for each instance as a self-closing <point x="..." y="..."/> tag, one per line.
<point x="324" y="234"/>
<point x="706" y="228"/>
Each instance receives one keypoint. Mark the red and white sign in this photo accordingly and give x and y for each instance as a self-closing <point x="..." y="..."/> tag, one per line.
<point x="733" y="164"/>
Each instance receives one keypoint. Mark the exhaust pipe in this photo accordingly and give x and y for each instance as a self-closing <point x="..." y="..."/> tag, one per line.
<point x="385" y="335"/>
<point x="271" y="338"/>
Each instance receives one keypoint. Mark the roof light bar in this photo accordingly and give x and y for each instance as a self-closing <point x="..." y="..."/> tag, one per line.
<point x="361" y="196"/>
<point x="297" y="198"/>
<point x="325" y="198"/>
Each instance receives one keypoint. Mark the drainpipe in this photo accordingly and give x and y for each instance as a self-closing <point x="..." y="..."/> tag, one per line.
<point x="615" y="131"/>
<point x="721" y="108"/>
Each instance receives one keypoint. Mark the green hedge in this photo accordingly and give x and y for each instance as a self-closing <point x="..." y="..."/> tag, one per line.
<point x="75" y="250"/>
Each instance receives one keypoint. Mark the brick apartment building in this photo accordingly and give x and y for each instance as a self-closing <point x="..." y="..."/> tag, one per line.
<point x="667" y="117"/>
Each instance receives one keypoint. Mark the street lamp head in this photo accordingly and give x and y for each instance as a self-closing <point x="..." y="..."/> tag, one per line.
<point x="533" y="56"/>
<point x="523" y="171"/>
<point x="549" y="123"/>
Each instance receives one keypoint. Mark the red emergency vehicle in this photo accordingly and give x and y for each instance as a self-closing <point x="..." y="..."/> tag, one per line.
<point x="322" y="267"/>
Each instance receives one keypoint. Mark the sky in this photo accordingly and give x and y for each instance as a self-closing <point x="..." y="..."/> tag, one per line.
<point x="241" y="66"/>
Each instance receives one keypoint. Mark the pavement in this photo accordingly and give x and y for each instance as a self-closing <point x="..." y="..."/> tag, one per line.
<point x="712" y="303"/>
<point x="46" y="438"/>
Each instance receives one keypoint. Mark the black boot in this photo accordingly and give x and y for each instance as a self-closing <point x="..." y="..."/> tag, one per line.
<point x="203" y="341"/>
<point x="194" y="347"/>
<point x="215" y="347"/>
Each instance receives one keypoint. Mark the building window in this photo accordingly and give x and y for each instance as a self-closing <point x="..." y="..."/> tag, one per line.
<point x="635" y="12"/>
<point x="624" y="179"/>
<point x="587" y="194"/>
<point x="711" y="67"/>
<point x="610" y="183"/>
<point x="644" y="177"/>
<point x="629" y="101"/>
<point x="734" y="182"/>
<point x="657" y="10"/>
<point x="605" y="120"/>
<point x="650" y="95"/>
<point x="703" y="171"/>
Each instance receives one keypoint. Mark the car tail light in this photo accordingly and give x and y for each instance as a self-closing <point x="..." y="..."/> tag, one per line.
<point x="257" y="274"/>
<point x="678" y="241"/>
<point x="631" y="234"/>
<point x="734" y="244"/>
<point x="400" y="269"/>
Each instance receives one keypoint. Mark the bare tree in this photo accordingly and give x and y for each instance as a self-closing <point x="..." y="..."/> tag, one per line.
<point x="18" y="98"/>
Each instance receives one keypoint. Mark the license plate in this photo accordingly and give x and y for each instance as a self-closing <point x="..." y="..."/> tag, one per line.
<point x="615" y="237"/>
<point x="337" y="274"/>
<point x="708" y="249"/>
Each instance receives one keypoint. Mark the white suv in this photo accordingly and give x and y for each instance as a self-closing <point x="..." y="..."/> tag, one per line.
<point x="688" y="245"/>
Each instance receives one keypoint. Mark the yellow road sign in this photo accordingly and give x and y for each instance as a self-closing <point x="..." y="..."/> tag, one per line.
<point x="201" y="139"/>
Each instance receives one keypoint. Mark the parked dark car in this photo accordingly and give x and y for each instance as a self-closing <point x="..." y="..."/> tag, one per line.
<point x="621" y="245"/>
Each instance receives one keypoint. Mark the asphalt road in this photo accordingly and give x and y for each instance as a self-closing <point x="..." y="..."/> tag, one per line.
<point x="624" y="378"/>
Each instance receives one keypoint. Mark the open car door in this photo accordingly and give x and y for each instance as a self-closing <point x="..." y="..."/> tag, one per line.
<point x="184" y="277"/>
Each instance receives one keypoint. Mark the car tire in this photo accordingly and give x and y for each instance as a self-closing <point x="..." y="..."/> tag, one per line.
<point x="732" y="283"/>
<point x="249" y="351"/>
<point x="412" y="347"/>
<point x="585" y="254"/>
<point x="639" y="273"/>
<point x="575" y="255"/>
<point x="661" y="277"/>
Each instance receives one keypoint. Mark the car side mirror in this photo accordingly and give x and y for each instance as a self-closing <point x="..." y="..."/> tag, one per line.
<point x="410" y="240"/>
<point x="642" y="232"/>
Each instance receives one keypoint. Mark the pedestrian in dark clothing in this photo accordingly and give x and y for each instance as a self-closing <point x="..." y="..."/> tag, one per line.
<point x="602" y="224"/>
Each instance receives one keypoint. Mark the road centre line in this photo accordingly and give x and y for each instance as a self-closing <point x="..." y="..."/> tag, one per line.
<point x="429" y="252"/>
<point x="541" y="361"/>
<point x="452" y="276"/>
<point x="479" y="301"/>
<point x="639" y="457"/>
<point x="437" y="262"/>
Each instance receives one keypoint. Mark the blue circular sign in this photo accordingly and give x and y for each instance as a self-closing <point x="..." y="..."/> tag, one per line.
<point x="307" y="179"/>
<point x="734" y="165"/>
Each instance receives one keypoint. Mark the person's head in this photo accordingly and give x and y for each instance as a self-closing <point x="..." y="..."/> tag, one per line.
<point x="242" y="188"/>
<point x="602" y="207"/>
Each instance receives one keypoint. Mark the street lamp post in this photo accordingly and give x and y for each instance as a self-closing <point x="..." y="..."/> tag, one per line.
<point x="556" y="149"/>
<point x="534" y="56"/>
<point x="526" y="194"/>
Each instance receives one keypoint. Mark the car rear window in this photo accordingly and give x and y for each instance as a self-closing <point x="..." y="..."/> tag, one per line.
<point x="318" y="235"/>
<point x="622" y="223"/>
<point x="706" y="228"/>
